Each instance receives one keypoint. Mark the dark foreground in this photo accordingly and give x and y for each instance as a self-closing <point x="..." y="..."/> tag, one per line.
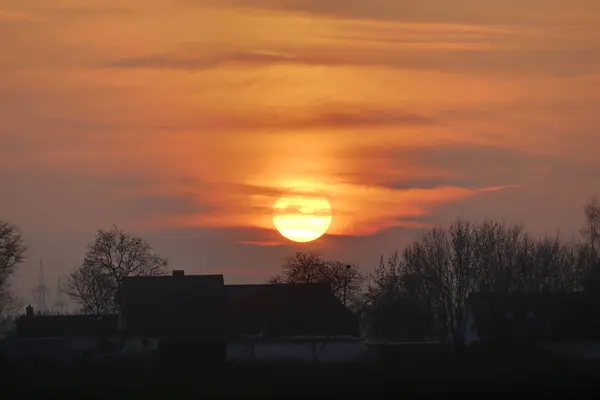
<point x="133" y="380"/>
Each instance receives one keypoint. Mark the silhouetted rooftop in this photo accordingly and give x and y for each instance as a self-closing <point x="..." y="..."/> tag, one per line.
<point x="551" y="316"/>
<point x="288" y="310"/>
<point x="201" y="305"/>
<point x="39" y="326"/>
<point x="174" y="305"/>
<point x="157" y="289"/>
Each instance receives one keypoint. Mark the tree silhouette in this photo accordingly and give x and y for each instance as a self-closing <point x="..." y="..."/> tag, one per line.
<point x="12" y="252"/>
<point x="392" y="307"/>
<point x="591" y="248"/>
<point x="344" y="280"/>
<point x="592" y="230"/>
<point x="110" y="258"/>
<point x="93" y="289"/>
<point x="426" y="288"/>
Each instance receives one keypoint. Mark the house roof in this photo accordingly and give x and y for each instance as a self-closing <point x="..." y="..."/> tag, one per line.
<point x="39" y="326"/>
<point x="552" y="316"/>
<point x="177" y="305"/>
<point x="160" y="289"/>
<point x="203" y="306"/>
<point x="288" y="310"/>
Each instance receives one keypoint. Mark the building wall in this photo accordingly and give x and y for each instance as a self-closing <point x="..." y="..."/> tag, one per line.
<point x="584" y="350"/>
<point x="139" y="345"/>
<point x="52" y="348"/>
<point x="300" y="350"/>
<point x="44" y="349"/>
<point x="84" y="343"/>
<point x="7" y="326"/>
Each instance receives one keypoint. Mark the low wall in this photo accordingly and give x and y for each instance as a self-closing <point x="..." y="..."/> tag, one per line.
<point x="43" y="349"/>
<point x="139" y="345"/>
<point x="305" y="350"/>
<point x="581" y="350"/>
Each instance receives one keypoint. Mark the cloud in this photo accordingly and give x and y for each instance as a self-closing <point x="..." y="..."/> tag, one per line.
<point x="358" y="209"/>
<point x="15" y="16"/>
<point x="459" y="11"/>
<point x="478" y="165"/>
<point x="87" y="11"/>
<point x="320" y="116"/>
<point x="262" y="244"/>
<point x="182" y="61"/>
<point x="466" y="36"/>
<point x="364" y="202"/>
<point x="148" y="206"/>
<point x="571" y="61"/>
<point x="467" y="164"/>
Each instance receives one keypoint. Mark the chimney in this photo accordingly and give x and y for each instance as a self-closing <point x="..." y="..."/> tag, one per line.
<point x="29" y="311"/>
<point x="178" y="272"/>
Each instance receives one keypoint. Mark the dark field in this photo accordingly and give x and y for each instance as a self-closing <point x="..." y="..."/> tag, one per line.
<point x="133" y="380"/>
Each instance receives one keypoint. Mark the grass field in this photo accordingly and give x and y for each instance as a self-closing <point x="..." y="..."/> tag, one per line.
<point x="185" y="381"/>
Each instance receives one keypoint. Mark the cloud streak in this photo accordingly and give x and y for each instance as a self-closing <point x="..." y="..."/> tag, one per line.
<point x="15" y="16"/>
<point x="460" y="11"/>
<point x="324" y="116"/>
<point x="463" y="58"/>
<point x="358" y="209"/>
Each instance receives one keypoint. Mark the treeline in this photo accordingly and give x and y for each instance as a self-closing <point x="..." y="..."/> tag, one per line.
<point x="417" y="293"/>
<point x="421" y="292"/>
<point x="426" y="287"/>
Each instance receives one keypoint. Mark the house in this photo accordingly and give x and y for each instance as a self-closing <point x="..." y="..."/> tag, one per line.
<point x="62" y="337"/>
<point x="565" y="324"/>
<point x="305" y="322"/>
<point x="200" y="317"/>
<point x="182" y="316"/>
<point x="7" y="326"/>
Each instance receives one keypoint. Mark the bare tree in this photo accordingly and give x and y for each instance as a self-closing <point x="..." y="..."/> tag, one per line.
<point x="93" y="289"/>
<point x="549" y="265"/>
<point x="444" y="263"/>
<point x="12" y="252"/>
<point x="111" y="258"/>
<point x="394" y="308"/>
<point x="590" y="251"/>
<point x="592" y="230"/>
<point x="345" y="280"/>
<point x="437" y="273"/>
<point x="301" y="268"/>
<point x="510" y="260"/>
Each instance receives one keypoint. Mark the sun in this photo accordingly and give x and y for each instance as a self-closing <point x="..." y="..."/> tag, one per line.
<point x="302" y="217"/>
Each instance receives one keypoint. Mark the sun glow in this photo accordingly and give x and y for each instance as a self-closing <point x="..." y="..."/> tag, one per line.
<point x="302" y="217"/>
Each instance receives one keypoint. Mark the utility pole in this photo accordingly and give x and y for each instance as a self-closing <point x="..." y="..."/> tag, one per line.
<point x="41" y="292"/>
<point x="60" y="305"/>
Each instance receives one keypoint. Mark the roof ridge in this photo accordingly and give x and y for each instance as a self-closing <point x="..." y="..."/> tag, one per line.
<point x="171" y="276"/>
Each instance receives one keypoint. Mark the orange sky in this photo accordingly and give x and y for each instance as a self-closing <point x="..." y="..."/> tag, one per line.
<point x="185" y="120"/>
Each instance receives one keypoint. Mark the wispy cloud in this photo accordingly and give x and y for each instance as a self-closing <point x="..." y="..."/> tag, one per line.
<point x="320" y="116"/>
<point x="15" y="16"/>
<point x="262" y="244"/>
<point x="449" y="57"/>
<point x="178" y="61"/>
<point x="459" y="11"/>
<point x="358" y="209"/>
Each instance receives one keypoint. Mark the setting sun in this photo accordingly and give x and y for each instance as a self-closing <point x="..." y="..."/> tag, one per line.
<point x="302" y="217"/>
